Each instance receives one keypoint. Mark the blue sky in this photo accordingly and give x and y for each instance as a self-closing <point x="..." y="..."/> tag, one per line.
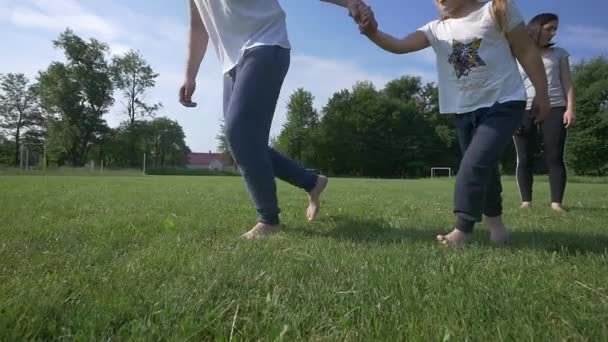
<point x="328" y="52"/>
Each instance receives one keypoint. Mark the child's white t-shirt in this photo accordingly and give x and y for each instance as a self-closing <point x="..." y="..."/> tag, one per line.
<point x="237" y="25"/>
<point x="476" y="67"/>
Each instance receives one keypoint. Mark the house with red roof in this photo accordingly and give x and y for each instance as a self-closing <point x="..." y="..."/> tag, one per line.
<point x="210" y="161"/>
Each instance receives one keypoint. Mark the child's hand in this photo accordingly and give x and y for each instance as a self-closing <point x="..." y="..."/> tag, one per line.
<point x="367" y="24"/>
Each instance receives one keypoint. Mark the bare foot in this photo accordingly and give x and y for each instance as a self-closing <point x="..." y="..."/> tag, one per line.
<point x="314" y="196"/>
<point x="558" y="207"/>
<point x="456" y="238"/>
<point x="498" y="231"/>
<point x="261" y="230"/>
<point x="526" y="205"/>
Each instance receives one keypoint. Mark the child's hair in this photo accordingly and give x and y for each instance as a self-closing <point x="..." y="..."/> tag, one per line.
<point x="499" y="12"/>
<point x="535" y="26"/>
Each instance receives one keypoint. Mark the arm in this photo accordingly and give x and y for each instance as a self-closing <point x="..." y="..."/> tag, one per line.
<point x="354" y="10"/>
<point x="529" y="57"/>
<point x="567" y="84"/>
<point x="198" y="40"/>
<point x="410" y="43"/>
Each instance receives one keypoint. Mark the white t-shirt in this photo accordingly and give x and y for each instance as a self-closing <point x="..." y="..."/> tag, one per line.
<point x="552" y="59"/>
<point x="237" y="25"/>
<point x="476" y="67"/>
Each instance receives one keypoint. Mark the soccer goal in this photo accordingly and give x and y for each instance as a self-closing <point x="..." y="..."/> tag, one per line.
<point x="435" y="169"/>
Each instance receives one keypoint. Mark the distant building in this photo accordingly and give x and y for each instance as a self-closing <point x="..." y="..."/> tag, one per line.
<point x="210" y="161"/>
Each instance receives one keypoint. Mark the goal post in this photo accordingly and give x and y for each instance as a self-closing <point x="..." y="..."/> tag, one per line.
<point x="435" y="169"/>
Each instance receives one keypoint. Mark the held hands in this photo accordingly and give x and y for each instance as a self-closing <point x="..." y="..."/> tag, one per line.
<point x="363" y="15"/>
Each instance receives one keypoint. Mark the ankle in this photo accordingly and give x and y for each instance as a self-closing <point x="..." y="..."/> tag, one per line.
<point x="494" y="221"/>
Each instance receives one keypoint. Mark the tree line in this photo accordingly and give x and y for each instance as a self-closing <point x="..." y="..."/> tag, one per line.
<point x="397" y="131"/>
<point x="61" y="114"/>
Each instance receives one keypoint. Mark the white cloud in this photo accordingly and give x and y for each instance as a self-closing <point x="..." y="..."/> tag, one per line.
<point x="591" y="38"/>
<point x="162" y="41"/>
<point x="119" y="49"/>
<point x="58" y="14"/>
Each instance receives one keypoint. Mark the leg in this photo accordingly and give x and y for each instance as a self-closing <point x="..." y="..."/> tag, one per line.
<point x="465" y="125"/>
<point x="525" y="141"/>
<point x="554" y="134"/>
<point x="250" y="98"/>
<point x="475" y="184"/>
<point x="493" y="208"/>
<point x="291" y="172"/>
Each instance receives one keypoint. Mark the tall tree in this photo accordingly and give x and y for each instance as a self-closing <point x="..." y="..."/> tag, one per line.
<point x="295" y="138"/>
<point x="19" y="109"/>
<point x="222" y="144"/>
<point x="587" y="150"/>
<point x="133" y="76"/>
<point x="79" y="93"/>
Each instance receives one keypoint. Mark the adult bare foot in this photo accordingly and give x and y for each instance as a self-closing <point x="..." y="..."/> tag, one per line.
<point x="314" y="198"/>
<point x="261" y="230"/>
<point x="456" y="238"/>
<point x="558" y="207"/>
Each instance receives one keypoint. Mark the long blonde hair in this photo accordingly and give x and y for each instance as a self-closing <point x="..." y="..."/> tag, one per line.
<point x="499" y="12"/>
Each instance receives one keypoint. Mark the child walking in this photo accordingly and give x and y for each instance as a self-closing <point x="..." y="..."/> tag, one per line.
<point x="477" y="45"/>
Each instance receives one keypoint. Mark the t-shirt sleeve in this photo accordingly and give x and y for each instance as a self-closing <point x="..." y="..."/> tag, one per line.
<point x="561" y="53"/>
<point x="514" y="17"/>
<point x="430" y="31"/>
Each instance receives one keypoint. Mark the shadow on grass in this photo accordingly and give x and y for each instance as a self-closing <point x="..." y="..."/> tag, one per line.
<point x="579" y="210"/>
<point x="376" y="230"/>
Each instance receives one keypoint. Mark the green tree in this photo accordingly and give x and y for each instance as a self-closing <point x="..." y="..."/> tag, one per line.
<point x="587" y="151"/>
<point x="19" y="110"/>
<point x="77" y="93"/>
<point x="133" y="76"/>
<point x="295" y="139"/>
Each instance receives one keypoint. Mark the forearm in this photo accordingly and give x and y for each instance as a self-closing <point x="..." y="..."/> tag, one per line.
<point x="198" y="41"/>
<point x="343" y="3"/>
<point x="532" y="64"/>
<point x="386" y="42"/>
<point x="571" y="98"/>
<point x="413" y="42"/>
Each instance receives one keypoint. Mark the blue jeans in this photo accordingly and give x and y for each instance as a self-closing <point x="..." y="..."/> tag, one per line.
<point x="251" y="92"/>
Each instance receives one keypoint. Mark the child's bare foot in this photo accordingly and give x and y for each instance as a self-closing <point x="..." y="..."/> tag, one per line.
<point x="526" y="205"/>
<point x="558" y="207"/>
<point x="314" y="196"/>
<point x="261" y="230"/>
<point x="498" y="231"/>
<point x="456" y="238"/>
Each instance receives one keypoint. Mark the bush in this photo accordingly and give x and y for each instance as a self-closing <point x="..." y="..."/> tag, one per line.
<point x="187" y="172"/>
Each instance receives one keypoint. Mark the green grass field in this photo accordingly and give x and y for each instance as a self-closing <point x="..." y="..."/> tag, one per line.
<point x="159" y="258"/>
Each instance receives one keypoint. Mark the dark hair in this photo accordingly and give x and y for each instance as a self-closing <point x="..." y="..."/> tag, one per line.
<point x="535" y="26"/>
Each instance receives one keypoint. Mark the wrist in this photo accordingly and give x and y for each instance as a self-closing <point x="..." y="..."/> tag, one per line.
<point x="189" y="78"/>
